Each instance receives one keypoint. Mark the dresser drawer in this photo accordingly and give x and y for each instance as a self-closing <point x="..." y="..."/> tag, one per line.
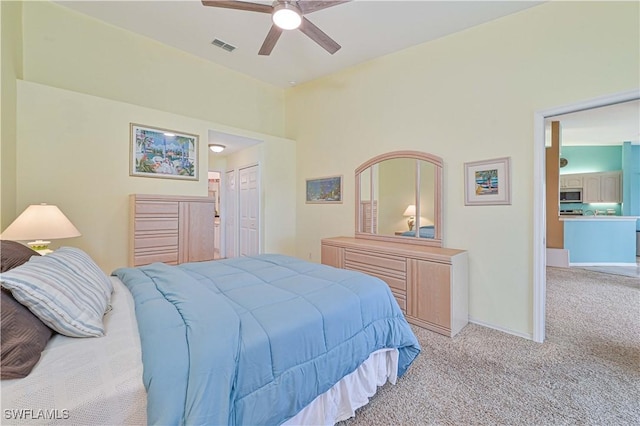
<point x="145" y="257"/>
<point x="156" y="225"/>
<point x="157" y="208"/>
<point x="386" y="262"/>
<point x="398" y="285"/>
<point x="157" y="242"/>
<point x="401" y="298"/>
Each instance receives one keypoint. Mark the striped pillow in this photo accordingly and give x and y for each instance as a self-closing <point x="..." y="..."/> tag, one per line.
<point x="65" y="289"/>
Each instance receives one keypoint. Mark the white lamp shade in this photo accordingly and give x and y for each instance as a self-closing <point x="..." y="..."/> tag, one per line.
<point x="217" y="147"/>
<point x="40" y="222"/>
<point x="410" y="210"/>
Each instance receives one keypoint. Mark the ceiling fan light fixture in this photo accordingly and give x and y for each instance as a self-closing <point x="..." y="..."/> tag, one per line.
<point x="215" y="147"/>
<point x="287" y="15"/>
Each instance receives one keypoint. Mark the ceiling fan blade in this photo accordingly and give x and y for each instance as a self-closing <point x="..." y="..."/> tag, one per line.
<point x="270" y="40"/>
<point x="308" y="6"/>
<point x="317" y="35"/>
<point x="239" y="5"/>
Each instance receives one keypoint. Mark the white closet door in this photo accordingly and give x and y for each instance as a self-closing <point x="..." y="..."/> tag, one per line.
<point x="249" y="208"/>
<point x="231" y="214"/>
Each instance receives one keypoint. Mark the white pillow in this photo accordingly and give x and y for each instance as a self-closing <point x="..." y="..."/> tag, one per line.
<point x="65" y="289"/>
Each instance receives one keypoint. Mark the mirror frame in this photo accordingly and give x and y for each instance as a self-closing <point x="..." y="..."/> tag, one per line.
<point x="437" y="208"/>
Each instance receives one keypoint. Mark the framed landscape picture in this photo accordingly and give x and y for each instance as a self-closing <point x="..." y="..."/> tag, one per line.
<point x="487" y="182"/>
<point x="327" y="190"/>
<point x="163" y="153"/>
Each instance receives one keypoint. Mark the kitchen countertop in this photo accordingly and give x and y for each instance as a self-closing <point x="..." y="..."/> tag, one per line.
<point x="599" y="218"/>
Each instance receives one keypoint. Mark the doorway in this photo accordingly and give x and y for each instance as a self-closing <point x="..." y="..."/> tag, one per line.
<point x="539" y="202"/>
<point x="214" y="188"/>
<point x="249" y="203"/>
<point x="242" y="211"/>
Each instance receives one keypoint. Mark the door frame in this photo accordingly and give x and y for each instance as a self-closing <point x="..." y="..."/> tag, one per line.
<point x="230" y="197"/>
<point x="539" y="192"/>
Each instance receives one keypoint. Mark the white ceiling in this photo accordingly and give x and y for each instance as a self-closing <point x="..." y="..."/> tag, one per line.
<point x="365" y="29"/>
<point x="608" y="125"/>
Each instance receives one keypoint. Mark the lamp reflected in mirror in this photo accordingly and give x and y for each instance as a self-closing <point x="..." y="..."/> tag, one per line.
<point x="411" y="212"/>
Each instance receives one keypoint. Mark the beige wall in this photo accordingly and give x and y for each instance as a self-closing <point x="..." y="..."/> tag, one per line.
<point x="74" y="152"/>
<point x="469" y="96"/>
<point x="11" y="69"/>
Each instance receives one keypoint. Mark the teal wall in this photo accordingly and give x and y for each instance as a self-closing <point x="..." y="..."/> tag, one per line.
<point x="590" y="209"/>
<point x="631" y="180"/>
<point x="588" y="159"/>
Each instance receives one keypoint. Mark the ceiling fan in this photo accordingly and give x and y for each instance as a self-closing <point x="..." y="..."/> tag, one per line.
<point x="286" y="15"/>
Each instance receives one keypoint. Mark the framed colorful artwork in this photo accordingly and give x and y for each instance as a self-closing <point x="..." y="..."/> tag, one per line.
<point x="487" y="182"/>
<point x="326" y="190"/>
<point x="163" y="153"/>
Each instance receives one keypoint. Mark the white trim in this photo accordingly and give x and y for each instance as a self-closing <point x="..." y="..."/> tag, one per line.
<point x="502" y="329"/>
<point x="557" y="257"/>
<point x="602" y="264"/>
<point x="539" y="208"/>
<point x="600" y="218"/>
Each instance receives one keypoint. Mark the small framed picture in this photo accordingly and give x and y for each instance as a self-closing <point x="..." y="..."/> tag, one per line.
<point x="327" y="190"/>
<point x="487" y="182"/>
<point x="163" y="153"/>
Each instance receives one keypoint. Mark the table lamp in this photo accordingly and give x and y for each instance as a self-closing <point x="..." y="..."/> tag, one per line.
<point x="40" y="222"/>
<point x="411" y="212"/>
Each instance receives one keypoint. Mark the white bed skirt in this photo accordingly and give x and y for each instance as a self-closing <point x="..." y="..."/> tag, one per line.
<point x="352" y="392"/>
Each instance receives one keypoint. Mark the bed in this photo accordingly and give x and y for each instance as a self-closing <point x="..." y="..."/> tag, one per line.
<point x="424" y="232"/>
<point x="267" y="339"/>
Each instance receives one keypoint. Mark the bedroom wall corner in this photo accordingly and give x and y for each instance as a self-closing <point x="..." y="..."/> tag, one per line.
<point x="74" y="152"/>
<point x="10" y="71"/>
<point x="73" y="51"/>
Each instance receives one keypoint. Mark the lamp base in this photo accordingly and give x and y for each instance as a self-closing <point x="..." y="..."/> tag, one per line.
<point x="410" y="222"/>
<point x="41" y="247"/>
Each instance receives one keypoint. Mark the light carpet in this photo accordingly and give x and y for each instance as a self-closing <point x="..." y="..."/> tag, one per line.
<point x="587" y="372"/>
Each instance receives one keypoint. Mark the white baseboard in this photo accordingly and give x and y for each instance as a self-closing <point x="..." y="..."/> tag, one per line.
<point x="602" y="264"/>
<point x="528" y="336"/>
<point x="558" y="257"/>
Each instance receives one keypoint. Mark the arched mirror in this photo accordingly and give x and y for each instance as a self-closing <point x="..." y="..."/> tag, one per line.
<point x="399" y="198"/>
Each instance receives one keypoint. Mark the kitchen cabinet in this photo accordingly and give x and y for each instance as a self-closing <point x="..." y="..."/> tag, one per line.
<point x="430" y="284"/>
<point x="171" y="229"/>
<point x="571" y="181"/>
<point x="602" y="187"/>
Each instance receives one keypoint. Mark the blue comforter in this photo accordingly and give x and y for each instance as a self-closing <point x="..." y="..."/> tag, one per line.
<point x="253" y="340"/>
<point x="425" y="232"/>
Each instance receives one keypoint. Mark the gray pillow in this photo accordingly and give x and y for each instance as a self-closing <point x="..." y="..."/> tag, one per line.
<point x="23" y="338"/>
<point x="14" y="254"/>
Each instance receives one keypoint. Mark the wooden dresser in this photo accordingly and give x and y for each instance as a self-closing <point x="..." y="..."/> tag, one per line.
<point x="429" y="283"/>
<point x="171" y="229"/>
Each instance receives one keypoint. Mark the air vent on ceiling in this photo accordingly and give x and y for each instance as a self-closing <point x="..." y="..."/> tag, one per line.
<point x="223" y="45"/>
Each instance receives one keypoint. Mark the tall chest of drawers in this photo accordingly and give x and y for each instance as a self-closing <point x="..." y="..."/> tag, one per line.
<point x="171" y="229"/>
<point x="429" y="283"/>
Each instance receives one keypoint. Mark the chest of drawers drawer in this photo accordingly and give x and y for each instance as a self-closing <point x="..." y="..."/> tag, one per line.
<point x="393" y="264"/>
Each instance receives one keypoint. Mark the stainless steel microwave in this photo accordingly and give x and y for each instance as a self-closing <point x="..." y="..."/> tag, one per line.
<point x="573" y="195"/>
